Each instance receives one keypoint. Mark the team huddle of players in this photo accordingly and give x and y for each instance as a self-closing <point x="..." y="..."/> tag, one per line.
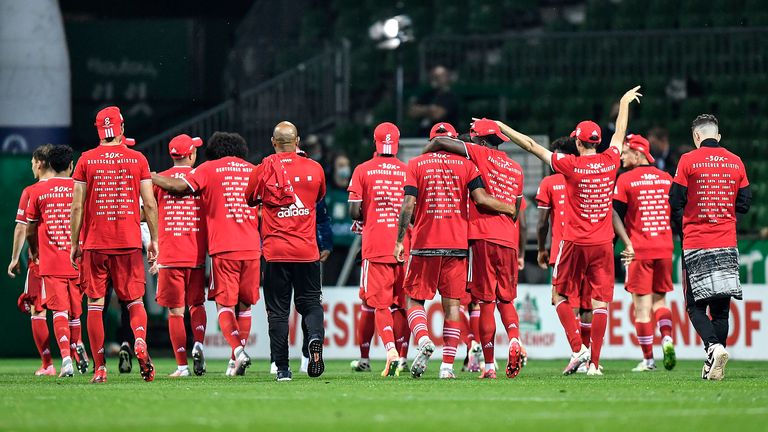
<point x="446" y="222"/>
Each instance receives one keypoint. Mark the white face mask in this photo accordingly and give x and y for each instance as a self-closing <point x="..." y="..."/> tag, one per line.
<point x="344" y="172"/>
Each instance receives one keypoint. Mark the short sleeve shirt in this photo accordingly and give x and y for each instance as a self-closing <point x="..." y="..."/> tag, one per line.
<point x="590" y="180"/>
<point x="552" y="196"/>
<point x="49" y="206"/>
<point x="181" y="228"/>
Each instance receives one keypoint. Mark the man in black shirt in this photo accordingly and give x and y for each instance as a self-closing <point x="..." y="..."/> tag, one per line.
<point x="437" y="105"/>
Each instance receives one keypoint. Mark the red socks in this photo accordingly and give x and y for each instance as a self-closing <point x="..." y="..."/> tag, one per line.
<point x="95" y="326"/>
<point x="402" y="331"/>
<point x="586" y="333"/>
<point x="474" y="323"/>
<point x="138" y="318"/>
<point x="61" y="330"/>
<point x="365" y="329"/>
<point x="75" y="333"/>
<point x="244" y="325"/>
<point x="228" y="325"/>
<point x="568" y="321"/>
<point x="510" y="319"/>
<point x="645" y="338"/>
<point x="198" y="321"/>
<point x="467" y="335"/>
<point x="663" y="318"/>
<point x="384" y="324"/>
<point x="41" y="337"/>
<point x="417" y="321"/>
<point x="599" y="324"/>
<point x="487" y="329"/>
<point x="178" y="338"/>
<point x="451" y="336"/>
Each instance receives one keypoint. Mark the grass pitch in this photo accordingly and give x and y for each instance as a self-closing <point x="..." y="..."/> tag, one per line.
<point x="539" y="399"/>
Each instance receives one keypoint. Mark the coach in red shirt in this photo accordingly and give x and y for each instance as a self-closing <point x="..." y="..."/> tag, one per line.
<point x="288" y="227"/>
<point x="109" y="181"/>
<point x="709" y="190"/>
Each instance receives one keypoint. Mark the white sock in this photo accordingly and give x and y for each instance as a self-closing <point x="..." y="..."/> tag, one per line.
<point x="490" y="366"/>
<point x="446" y="366"/>
<point x="183" y="367"/>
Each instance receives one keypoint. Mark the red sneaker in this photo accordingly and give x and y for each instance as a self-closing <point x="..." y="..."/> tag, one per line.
<point x="100" y="376"/>
<point x="515" y="362"/>
<point x="147" y="370"/>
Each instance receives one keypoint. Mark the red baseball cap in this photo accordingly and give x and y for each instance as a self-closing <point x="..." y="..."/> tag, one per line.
<point x="587" y="131"/>
<point x="182" y="145"/>
<point x="387" y="138"/>
<point x="443" y="129"/>
<point x="639" y="143"/>
<point x="484" y="127"/>
<point x="130" y="142"/>
<point x="109" y="122"/>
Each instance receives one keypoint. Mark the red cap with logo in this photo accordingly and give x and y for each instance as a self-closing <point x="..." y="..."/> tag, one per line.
<point x="639" y="143"/>
<point x="484" y="127"/>
<point x="443" y="129"/>
<point x="587" y="131"/>
<point x="109" y="122"/>
<point x="387" y="138"/>
<point x="182" y="145"/>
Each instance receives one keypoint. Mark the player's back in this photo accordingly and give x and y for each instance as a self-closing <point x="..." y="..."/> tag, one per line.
<point x="714" y="176"/>
<point x="645" y="190"/>
<point x="552" y="195"/>
<point x="590" y="181"/>
<point x="290" y="232"/>
<point x="112" y="175"/>
<point x="378" y="185"/>
<point x="49" y="206"/>
<point x="182" y="234"/>
<point x="441" y="217"/>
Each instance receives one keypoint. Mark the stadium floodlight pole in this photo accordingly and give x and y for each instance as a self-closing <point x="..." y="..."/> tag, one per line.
<point x="390" y="35"/>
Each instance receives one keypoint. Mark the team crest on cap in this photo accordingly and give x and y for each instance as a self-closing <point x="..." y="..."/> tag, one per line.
<point x="107" y="122"/>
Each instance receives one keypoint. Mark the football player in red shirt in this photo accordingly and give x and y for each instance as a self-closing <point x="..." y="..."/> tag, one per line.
<point x="233" y="237"/>
<point x="48" y="229"/>
<point x="288" y="187"/>
<point x="109" y="182"/>
<point x="436" y="198"/>
<point x="587" y="246"/>
<point x="710" y="190"/>
<point x="493" y="240"/>
<point x="30" y="300"/>
<point x="180" y="265"/>
<point x="641" y="215"/>
<point x="375" y="198"/>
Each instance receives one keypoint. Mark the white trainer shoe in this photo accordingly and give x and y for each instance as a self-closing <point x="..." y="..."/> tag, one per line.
<point x="645" y="366"/>
<point x="593" y="371"/>
<point x="419" y="364"/>
<point x="304" y="365"/>
<point x="447" y="373"/>
<point x="230" y="368"/>
<point x="719" y="359"/>
<point x="577" y="359"/>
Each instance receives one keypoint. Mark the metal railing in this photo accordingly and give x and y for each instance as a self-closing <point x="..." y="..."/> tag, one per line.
<point x="313" y="95"/>
<point x="502" y="59"/>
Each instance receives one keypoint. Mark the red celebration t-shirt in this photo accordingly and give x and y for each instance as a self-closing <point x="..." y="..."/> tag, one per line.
<point x="181" y="229"/>
<point x="50" y="204"/>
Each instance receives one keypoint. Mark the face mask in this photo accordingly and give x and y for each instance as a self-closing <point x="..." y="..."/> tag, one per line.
<point x="344" y="172"/>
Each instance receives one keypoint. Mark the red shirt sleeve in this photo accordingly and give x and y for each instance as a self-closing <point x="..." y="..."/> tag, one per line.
<point x="144" y="173"/>
<point x="474" y="151"/>
<point x="251" y="194"/>
<point x="681" y="175"/>
<point x="355" y="188"/>
<point x="22" y="209"/>
<point x="563" y="163"/>
<point x="410" y="176"/>
<point x="79" y="174"/>
<point x="197" y="179"/>
<point x="620" y="191"/>
<point x="33" y="209"/>
<point x="472" y="173"/>
<point x="542" y="194"/>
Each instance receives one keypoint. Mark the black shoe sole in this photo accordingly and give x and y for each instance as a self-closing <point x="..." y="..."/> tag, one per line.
<point x="126" y="363"/>
<point x="316" y="366"/>
<point x="82" y="363"/>
<point x="240" y="371"/>
<point x="198" y="364"/>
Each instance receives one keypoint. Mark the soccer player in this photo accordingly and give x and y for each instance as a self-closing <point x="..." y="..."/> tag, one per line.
<point x="31" y="298"/>
<point x="375" y="198"/>
<point x="289" y="186"/>
<point x="493" y="241"/>
<point x="710" y="190"/>
<point x="108" y="182"/>
<point x="233" y="237"/>
<point x="641" y="213"/>
<point x="48" y="229"/>
<point x="436" y="197"/>
<point x="180" y="264"/>
<point x="586" y="251"/>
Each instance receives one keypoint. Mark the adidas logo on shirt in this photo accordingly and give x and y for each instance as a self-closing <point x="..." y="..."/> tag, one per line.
<point x="295" y="209"/>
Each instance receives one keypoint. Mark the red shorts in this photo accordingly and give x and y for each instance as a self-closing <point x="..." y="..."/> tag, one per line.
<point x="125" y="271"/>
<point x="381" y="284"/>
<point x="427" y="275"/>
<point x="33" y="288"/>
<point x="234" y="281"/>
<point x="492" y="272"/>
<point x="180" y="286"/>
<point x="61" y="293"/>
<point x="591" y="265"/>
<point x="649" y="276"/>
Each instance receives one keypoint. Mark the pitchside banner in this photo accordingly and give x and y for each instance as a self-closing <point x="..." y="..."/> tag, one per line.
<point x="540" y="328"/>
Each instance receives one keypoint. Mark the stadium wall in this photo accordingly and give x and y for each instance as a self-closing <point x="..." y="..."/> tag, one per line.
<point x="540" y="328"/>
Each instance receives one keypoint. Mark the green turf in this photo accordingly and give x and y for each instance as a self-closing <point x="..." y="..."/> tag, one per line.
<point x="539" y="399"/>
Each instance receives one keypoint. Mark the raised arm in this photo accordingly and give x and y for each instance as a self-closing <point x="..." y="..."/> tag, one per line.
<point x="526" y="143"/>
<point x="448" y="144"/>
<point x="617" y="140"/>
<point x="171" y="184"/>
